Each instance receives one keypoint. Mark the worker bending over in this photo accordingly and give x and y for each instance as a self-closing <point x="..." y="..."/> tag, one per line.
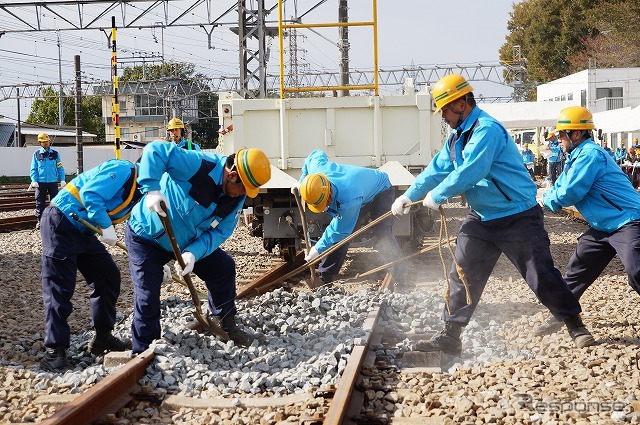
<point x="102" y="196"/>
<point x="204" y="194"/>
<point x="348" y="193"/>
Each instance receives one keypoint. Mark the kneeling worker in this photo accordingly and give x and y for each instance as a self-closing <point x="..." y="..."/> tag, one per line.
<point x="347" y="193"/>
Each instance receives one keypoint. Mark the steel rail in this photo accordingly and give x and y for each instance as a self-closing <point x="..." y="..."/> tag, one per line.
<point x="23" y="222"/>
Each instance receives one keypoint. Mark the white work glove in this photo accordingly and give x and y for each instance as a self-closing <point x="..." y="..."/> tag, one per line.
<point x="108" y="236"/>
<point x="166" y="272"/>
<point x="153" y="200"/>
<point x="541" y="203"/>
<point x="294" y="187"/>
<point x="62" y="183"/>
<point x="313" y="253"/>
<point x="429" y="202"/>
<point x="33" y="186"/>
<point x="189" y="261"/>
<point x="399" y="206"/>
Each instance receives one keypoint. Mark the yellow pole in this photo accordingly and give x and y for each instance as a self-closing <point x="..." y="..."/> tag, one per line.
<point x="115" y="106"/>
<point x="375" y="45"/>
<point x="281" y="43"/>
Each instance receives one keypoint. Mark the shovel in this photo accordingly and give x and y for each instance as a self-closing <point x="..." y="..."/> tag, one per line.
<point x="203" y="319"/>
<point x="314" y="279"/>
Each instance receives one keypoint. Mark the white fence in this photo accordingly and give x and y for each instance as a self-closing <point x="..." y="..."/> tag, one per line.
<point x="16" y="162"/>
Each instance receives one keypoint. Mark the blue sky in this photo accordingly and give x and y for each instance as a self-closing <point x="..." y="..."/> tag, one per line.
<point x="421" y="32"/>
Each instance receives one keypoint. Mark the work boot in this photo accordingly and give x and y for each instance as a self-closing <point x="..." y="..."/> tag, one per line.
<point x="447" y="340"/>
<point x="55" y="360"/>
<point x="579" y="332"/>
<point x="102" y="342"/>
<point x="37" y="225"/>
<point x="237" y="335"/>
<point x="326" y="278"/>
<point x="550" y="326"/>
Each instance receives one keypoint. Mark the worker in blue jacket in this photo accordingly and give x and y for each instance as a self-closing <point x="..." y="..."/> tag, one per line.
<point x="607" y="149"/>
<point x="620" y="154"/>
<point x="102" y="196"/>
<point x="554" y="161"/>
<point x="204" y="194"/>
<point x="177" y="134"/>
<point x="347" y="193"/>
<point x="481" y="160"/>
<point x="46" y="172"/>
<point x="603" y="195"/>
<point x="528" y="158"/>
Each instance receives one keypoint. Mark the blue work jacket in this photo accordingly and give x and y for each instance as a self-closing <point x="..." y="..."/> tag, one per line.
<point x="188" y="144"/>
<point x="202" y="216"/>
<point x="556" y="152"/>
<point x="482" y="161"/>
<point x="620" y="155"/>
<point x="598" y="188"/>
<point x="103" y="195"/>
<point x="46" y="166"/>
<point x="527" y="156"/>
<point x="351" y="187"/>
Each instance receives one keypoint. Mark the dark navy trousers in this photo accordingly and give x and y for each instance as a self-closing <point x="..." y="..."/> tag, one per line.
<point x="596" y="249"/>
<point x="146" y="260"/>
<point x="523" y="239"/>
<point x="65" y="251"/>
<point x="387" y="243"/>
<point x="42" y="191"/>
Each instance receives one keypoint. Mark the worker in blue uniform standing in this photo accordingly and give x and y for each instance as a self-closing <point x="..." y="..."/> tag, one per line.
<point x="603" y="195"/>
<point x="347" y="193"/>
<point x="607" y="149"/>
<point x="528" y="158"/>
<point x="46" y="172"/>
<point x="554" y="161"/>
<point x="620" y="154"/>
<point x="481" y="160"/>
<point x="102" y="196"/>
<point x="177" y="134"/>
<point x="204" y="194"/>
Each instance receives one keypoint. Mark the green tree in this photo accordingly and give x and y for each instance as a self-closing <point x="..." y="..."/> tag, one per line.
<point x="174" y="70"/>
<point x="559" y="37"/>
<point x="548" y="33"/>
<point x="44" y="111"/>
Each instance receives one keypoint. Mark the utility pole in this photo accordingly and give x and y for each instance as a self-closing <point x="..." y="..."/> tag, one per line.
<point x="60" y="99"/>
<point x="343" y="42"/>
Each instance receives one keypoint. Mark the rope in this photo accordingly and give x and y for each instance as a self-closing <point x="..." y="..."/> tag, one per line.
<point x="463" y="277"/>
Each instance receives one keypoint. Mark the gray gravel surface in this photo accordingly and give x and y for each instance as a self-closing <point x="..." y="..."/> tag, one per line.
<point x="505" y="375"/>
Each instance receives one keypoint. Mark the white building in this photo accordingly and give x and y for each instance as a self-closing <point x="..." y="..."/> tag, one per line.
<point x="611" y="94"/>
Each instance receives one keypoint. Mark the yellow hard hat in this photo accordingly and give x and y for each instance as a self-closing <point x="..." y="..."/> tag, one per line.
<point x="175" y="123"/>
<point x="449" y="88"/>
<point x="575" y="118"/>
<point x="551" y="135"/>
<point x="43" y="137"/>
<point x="254" y="169"/>
<point x="315" y="190"/>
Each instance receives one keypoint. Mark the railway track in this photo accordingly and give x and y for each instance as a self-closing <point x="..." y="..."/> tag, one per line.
<point x="101" y="403"/>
